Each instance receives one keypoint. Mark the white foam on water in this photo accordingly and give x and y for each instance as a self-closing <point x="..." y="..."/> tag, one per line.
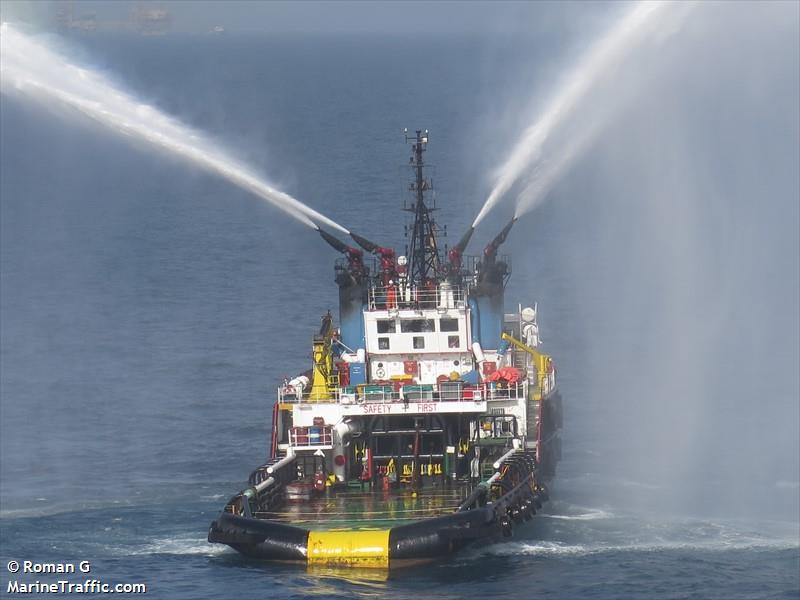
<point x="31" y="69"/>
<point x="213" y="497"/>
<point x="646" y="536"/>
<point x="538" y="548"/>
<point x="546" y="548"/>
<point x="591" y="515"/>
<point x="178" y="546"/>
<point x="53" y="510"/>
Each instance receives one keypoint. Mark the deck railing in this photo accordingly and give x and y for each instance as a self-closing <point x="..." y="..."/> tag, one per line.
<point x="448" y="391"/>
<point x="311" y="436"/>
<point x="397" y="296"/>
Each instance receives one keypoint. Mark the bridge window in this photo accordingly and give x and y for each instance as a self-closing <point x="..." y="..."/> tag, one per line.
<point x="419" y="342"/>
<point x="383" y="343"/>
<point x="448" y="324"/>
<point x="453" y="341"/>
<point x="386" y="326"/>
<point x="416" y="325"/>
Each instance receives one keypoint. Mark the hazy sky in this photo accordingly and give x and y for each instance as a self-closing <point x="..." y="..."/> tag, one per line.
<point x="492" y="18"/>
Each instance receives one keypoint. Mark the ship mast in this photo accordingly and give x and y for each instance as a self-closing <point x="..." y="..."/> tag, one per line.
<point x="423" y="254"/>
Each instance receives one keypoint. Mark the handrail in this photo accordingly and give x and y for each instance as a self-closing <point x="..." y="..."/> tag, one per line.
<point x="273" y="445"/>
<point x="301" y="436"/>
<point x="475" y="393"/>
<point x="395" y="296"/>
<point x="286" y="460"/>
<point x="503" y="458"/>
<point x="520" y="462"/>
<point x="265" y="482"/>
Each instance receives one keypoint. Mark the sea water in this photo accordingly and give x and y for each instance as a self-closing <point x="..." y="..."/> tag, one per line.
<point x="149" y="311"/>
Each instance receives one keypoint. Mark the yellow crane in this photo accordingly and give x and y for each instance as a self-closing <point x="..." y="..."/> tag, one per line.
<point x="542" y="363"/>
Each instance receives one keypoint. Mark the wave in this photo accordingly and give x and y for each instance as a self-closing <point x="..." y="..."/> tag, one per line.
<point x="53" y="510"/>
<point x="583" y="531"/>
<point x="552" y="548"/>
<point x="591" y="515"/>
<point x="185" y="546"/>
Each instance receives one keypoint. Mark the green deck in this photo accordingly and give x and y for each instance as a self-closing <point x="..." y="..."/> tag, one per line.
<point x="353" y="508"/>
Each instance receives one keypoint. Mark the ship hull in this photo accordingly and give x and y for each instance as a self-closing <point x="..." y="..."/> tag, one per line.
<point x="411" y="543"/>
<point x="404" y="545"/>
<point x="482" y="516"/>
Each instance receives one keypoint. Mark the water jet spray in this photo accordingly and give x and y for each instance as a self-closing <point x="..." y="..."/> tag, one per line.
<point x="640" y="24"/>
<point x="31" y="69"/>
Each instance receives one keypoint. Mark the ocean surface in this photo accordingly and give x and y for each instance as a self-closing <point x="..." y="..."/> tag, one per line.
<point x="150" y="310"/>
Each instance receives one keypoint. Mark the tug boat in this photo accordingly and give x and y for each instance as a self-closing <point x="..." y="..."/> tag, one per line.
<point x="429" y="420"/>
